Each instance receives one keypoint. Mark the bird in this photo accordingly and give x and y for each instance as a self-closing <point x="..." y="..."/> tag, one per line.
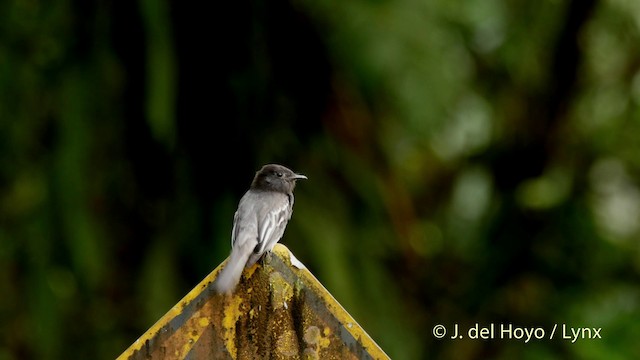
<point x="262" y="216"/>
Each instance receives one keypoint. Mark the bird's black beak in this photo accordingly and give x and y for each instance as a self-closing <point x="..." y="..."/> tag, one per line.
<point x="298" y="177"/>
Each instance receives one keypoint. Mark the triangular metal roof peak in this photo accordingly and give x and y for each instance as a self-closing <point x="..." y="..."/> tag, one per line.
<point x="278" y="311"/>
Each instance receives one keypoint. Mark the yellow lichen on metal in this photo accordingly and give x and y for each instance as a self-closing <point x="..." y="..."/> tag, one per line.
<point x="159" y="330"/>
<point x="287" y="343"/>
<point x="232" y="313"/>
<point x="193" y="335"/>
<point x="277" y="311"/>
<point x="335" y="308"/>
<point x="315" y="340"/>
<point x="281" y="291"/>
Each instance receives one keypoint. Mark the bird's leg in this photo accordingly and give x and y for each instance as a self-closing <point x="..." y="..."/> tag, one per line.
<point x="266" y="257"/>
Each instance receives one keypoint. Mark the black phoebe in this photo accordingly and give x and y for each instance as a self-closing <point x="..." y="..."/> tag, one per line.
<point x="259" y="222"/>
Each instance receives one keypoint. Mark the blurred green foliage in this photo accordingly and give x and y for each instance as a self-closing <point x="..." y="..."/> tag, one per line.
<point x="469" y="162"/>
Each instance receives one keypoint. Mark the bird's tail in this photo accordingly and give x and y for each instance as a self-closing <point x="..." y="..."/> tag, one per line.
<point x="229" y="276"/>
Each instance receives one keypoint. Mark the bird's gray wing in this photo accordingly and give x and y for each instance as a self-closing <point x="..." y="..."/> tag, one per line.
<point x="234" y="230"/>
<point x="245" y="223"/>
<point x="244" y="238"/>
<point x="272" y="221"/>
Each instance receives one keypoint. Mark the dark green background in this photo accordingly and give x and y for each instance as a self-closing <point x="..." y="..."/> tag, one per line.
<point x="468" y="162"/>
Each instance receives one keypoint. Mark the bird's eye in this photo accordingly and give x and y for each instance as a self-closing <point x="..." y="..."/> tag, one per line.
<point x="279" y="174"/>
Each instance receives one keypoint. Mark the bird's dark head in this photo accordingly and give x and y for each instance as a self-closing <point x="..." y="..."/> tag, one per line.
<point x="273" y="177"/>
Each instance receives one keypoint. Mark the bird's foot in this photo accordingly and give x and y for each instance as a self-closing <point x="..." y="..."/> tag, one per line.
<point x="266" y="258"/>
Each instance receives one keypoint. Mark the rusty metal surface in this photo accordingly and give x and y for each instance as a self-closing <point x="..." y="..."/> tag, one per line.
<point x="277" y="312"/>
